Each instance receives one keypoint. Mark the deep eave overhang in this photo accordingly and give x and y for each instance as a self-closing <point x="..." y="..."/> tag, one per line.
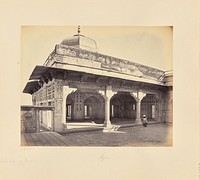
<point x="29" y="87"/>
<point x="39" y="72"/>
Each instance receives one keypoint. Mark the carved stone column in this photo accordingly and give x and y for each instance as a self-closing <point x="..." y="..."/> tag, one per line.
<point x="58" y="90"/>
<point x="107" y="94"/>
<point x="139" y="95"/>
<point x="138" y="111"/>
<point x="158" y="98"/>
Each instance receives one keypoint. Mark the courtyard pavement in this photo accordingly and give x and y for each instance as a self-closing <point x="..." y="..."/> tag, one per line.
<point x="159" y="134"/>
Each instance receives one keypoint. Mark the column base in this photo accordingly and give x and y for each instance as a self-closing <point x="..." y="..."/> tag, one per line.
<point x="107" y="124"/>
<point x="138" y="121"/>
<point x="65" y="126"/>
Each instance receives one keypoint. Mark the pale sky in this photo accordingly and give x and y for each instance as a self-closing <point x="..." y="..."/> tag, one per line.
<point x="151" y="46"/>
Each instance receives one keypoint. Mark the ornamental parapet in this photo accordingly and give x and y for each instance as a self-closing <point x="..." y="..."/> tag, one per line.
<point x="106" y="62"/>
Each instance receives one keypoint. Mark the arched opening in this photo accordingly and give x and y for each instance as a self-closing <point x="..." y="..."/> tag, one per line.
<point x="123" y="107"/>
<point x="94" y="109"/>
<point x="84" y="106"/>
<point x="150" y="106"/>
<point x="69" y="108"/>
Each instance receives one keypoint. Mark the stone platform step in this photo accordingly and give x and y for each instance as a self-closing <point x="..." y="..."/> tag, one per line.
<point x="99" y="127"/>
<point x="79" y="130"/>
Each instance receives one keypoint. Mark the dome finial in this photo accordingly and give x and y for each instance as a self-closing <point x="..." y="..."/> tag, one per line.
<point x="79" y="30"/>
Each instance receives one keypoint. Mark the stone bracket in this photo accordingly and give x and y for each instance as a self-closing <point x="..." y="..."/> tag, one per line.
<point x="107" y="93"/>
<point x="138" y="96"/>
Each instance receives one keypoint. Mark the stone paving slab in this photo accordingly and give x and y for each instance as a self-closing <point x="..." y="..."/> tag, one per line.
<point x="43" y="140"/>
<point x="139" y="136"/>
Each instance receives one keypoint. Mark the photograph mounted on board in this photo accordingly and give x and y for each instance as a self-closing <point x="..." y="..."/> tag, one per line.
<point x="97" y="86"/>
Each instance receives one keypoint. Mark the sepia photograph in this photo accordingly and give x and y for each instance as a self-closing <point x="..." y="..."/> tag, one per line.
<point x="97" y="86"/>
<point x="99" y="90"/>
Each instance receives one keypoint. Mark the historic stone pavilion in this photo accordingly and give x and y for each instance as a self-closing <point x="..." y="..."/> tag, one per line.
<point x="80" y="84"/>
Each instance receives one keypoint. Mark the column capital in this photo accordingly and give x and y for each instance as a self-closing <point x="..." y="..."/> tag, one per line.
<point x="139" y="95"/>
<point x="107" y="93"/>
<point x="67" y="90"/>
<point x="102" y="93"/>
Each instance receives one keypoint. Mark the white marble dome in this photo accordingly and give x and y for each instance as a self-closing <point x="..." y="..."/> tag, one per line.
<point x="81" y="41"/>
